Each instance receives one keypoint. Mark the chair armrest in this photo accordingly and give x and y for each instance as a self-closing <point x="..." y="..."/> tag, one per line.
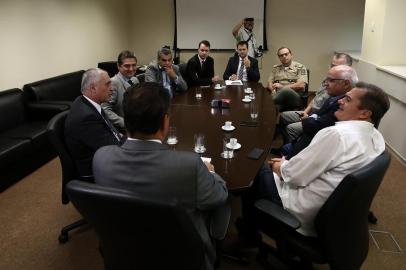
<point x="278" y="213"/>
<point x="44" y="110"/>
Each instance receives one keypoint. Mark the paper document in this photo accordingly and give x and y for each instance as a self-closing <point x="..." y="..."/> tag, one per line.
<point x="236" y="82"/>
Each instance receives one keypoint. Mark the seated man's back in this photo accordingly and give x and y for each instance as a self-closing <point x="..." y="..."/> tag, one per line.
<point x="146" y="166"/>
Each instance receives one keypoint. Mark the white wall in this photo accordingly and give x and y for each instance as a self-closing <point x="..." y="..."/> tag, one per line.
<point x="314" y="29"/>
<point x="44" y="38"/>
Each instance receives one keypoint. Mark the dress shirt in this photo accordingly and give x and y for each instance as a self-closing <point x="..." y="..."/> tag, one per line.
<point x="151" y="140"/>
<point x="311" y="176"/>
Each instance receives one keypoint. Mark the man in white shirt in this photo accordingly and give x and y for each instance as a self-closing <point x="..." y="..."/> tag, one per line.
<point x="302" y="184"/>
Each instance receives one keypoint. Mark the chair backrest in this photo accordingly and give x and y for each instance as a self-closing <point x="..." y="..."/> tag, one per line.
<point x="342" y="224"/>
<point x="12" y="109"/>
<point x="182" y="70"/>
<point x="55" y="129"/>
<point x="109" y="66"/>
<point x="141" y="77"/>
<point x="136" y="233"/>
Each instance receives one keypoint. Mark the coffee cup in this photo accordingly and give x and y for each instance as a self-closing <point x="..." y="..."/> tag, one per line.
<point x="247" y="97"/>
<point x="233" y="142"/>
<point x="228" y="124"/>
<point x="218" y="85"/>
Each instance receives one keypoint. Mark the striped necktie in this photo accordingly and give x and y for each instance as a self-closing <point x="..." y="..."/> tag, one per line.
<point x="241" y="70"/>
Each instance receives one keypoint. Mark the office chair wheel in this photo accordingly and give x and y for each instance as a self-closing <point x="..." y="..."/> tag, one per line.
<point x="63" y="238"/>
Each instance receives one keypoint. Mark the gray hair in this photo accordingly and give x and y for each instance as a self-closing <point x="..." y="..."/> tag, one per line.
<point x="165" y="51"/>
<point x="91" y="76"/>
<point x="347" y="73"/>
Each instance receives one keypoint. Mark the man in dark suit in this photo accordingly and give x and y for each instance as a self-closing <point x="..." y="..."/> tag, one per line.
<point x="241" y="66"/>
<point x="200" y="68"/>
<point x="86" y="127"/>
<point x="145" y="165"/>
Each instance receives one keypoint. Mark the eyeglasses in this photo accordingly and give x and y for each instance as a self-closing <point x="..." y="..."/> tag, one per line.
<point x="328" y="79"/>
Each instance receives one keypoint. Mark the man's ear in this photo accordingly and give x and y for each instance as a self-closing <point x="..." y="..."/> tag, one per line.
<point x="365" y="115"/>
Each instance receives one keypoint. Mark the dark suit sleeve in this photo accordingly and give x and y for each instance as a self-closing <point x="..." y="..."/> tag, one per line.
<point x="253" y="72"/>
<point x="311" y="126"/>
<point x="229" y="70"/>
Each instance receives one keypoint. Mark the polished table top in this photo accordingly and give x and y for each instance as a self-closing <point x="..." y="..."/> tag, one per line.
<point x="191" y="116"/>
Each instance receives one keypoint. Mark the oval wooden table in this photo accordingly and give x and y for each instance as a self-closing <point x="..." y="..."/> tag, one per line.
<point x="191" y="116"/>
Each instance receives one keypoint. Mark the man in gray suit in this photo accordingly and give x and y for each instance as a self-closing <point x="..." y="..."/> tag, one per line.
<point x="163" y="71"/>
<point x="145" y="165"/>
<point x="126" y="64"/>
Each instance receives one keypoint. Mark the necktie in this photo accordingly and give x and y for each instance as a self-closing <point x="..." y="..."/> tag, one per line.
<point x="241" y="70"/>
<point x="202" y="63"/>
<point x="110" y="125"/>
<point x="130" y="82"/>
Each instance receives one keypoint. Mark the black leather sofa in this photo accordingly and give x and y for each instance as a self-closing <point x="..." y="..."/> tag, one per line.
<point x="56" y="92"/>
<point x="24" y="145"/>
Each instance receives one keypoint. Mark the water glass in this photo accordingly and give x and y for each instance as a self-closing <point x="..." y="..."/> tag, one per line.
<point x="198" y="92"/>
<point x="228" y="152"/>
<point x="199" y="144"/>
<point x="254" y="111"/>
<point x="172" y="139"/>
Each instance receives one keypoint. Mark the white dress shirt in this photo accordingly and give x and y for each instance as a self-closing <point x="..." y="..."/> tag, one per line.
<point x="312" y="175"/>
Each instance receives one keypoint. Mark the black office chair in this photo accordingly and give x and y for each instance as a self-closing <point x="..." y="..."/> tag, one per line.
<point x="341" y="223"/>
<point x="55" y="132"/>
<point x="305" y="96"/>
<point x="109" y="66"/>
<point x="137" y="233"/>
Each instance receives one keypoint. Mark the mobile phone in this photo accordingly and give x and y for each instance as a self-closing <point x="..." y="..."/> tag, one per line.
<point x="255" y="153"/>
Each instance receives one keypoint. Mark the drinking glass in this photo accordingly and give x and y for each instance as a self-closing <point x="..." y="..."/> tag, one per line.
<point x="172" y="139"/>
<point x="254" y="111"/>
<point x="198" y="92"/>
<point x="228" y="152"/>
<point x="199" y="144"/>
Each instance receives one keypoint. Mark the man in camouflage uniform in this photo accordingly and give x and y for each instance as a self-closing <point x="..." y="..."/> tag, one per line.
<point x="287" y="81"/>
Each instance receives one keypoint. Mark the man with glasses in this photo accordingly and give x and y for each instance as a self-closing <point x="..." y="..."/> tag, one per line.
<point x="126" y="64"/>
<point x="290" y="123"/>
<point x="287" y="81"/>
<point x="339" y="80"/>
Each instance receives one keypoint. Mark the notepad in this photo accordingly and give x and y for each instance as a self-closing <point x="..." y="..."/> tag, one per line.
<point x="236" y="82"/>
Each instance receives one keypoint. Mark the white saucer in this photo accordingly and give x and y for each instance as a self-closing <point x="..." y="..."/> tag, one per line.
<point x="246" y="100"/>
<point x="228" y="129"/>
<point x="172" y="142"/>
<point x="218" y="88"/>
<point x="236" y="146"/>
<point x="248" y="91"/>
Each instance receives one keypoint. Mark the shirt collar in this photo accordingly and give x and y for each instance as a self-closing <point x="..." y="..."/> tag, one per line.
<point x="96" y="105"/>
<point x="151" y="140"/>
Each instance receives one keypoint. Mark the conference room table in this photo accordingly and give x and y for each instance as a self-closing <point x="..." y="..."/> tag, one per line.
<point x="191" y="116"/>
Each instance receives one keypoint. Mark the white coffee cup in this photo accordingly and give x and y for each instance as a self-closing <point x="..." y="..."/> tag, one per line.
<point x="248" y="90"/>
<point x="233" y="142"/>
<point x="228" y="124"/>
<point x="247" y="97"/>
<point x="218" y="85"/>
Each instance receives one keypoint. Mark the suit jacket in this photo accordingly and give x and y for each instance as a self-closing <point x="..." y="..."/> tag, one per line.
<point x="153" y="170"/>
<point x="232" y="67"/>
<point x="85" y="132"/>
<point x="114" y="107"/>
<point x="154" y="74"/>
<point x="311" y="126"/>
<point x="198" y="74"/>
